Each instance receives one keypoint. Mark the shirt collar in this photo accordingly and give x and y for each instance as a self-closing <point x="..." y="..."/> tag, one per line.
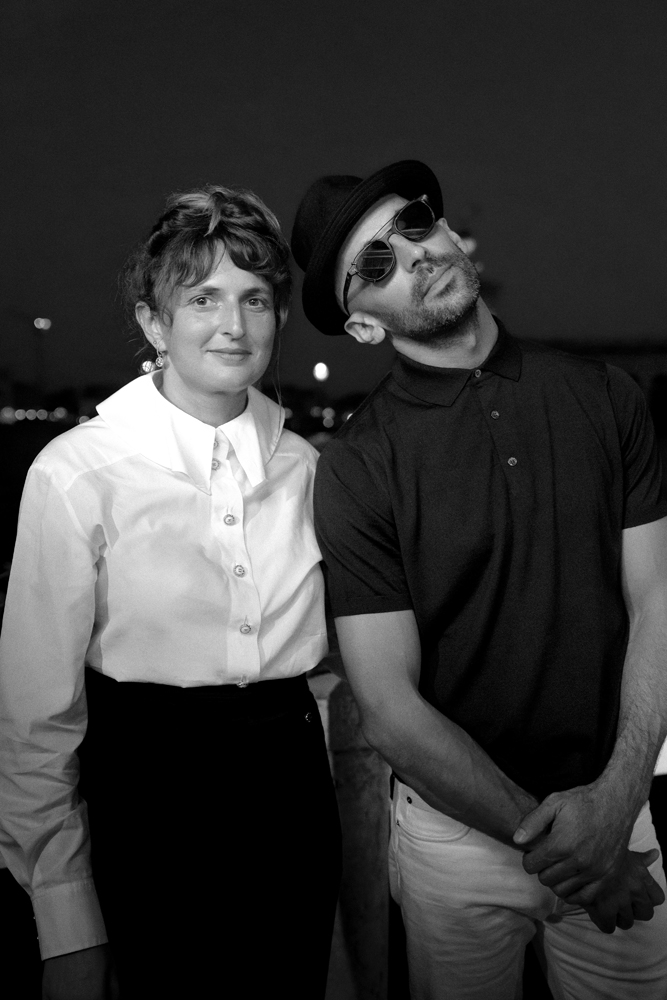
<point x="443" y="385"/>
<point x="180" y="442"/>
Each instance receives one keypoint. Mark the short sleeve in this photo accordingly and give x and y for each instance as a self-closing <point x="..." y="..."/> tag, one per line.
<point x="645" y="494"/>
<point x="357" y="535"/>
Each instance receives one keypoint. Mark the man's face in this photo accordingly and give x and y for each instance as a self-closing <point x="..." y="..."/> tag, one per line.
<point x="431" y="290"/>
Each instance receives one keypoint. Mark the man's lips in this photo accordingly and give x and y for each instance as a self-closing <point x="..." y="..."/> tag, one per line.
<point x="436" y="276"/>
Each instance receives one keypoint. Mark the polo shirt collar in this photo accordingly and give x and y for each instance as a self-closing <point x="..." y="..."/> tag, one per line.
<point x="178" y="441"/>
<point x="442" y="386"/>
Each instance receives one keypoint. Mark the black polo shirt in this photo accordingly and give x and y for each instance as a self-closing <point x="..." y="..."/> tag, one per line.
<point x="492" y="503"/>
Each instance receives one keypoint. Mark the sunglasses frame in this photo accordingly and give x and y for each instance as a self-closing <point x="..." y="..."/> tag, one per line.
<point x="376" y="239"/>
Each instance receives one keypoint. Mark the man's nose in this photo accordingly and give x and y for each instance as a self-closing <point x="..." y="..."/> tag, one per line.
<point x="408" y="254"/>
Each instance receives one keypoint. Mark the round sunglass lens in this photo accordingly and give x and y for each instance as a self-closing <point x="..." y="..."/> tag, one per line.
<point x="375" y="261"/>
<point x="415" y="221"/>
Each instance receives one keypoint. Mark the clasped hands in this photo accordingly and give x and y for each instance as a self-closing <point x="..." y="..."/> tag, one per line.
<point x="576" y="842"/>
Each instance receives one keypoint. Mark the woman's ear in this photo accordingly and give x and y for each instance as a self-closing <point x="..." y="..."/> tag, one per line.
<point x="364" y="328"/>
<point x="150" y="324"/>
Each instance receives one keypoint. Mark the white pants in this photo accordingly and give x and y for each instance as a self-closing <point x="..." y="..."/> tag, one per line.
<point x="469" y="910"/>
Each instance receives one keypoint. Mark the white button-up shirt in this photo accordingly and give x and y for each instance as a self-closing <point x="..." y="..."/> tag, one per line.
<point x="151" y="547"/>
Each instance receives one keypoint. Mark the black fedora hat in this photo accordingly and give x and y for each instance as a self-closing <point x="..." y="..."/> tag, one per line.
<point x="327" y="213"/>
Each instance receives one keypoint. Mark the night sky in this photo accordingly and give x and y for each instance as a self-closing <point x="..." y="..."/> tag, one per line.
<point x="545" y="123"/>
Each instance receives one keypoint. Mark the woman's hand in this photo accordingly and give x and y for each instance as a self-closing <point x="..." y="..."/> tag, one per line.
<point x="81" y="975"/>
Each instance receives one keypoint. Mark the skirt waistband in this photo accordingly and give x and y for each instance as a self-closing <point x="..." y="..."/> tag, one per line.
<point x="258" y="698"/>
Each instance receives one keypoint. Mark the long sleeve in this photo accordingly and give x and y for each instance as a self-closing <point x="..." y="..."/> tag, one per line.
<point x="47" y="626"/>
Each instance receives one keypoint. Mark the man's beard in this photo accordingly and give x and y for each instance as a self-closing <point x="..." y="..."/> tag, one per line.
<point x="442" y="319"/>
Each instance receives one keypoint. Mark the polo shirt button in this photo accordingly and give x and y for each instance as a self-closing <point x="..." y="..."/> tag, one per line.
<point x="215" y="464"/>
<point x="494" y="414"/>
<point x="478" y="372"/>
<point x="245" y="628"/>
<point x="409" y="799"/>
<point x="239" y="571"/>
<point x="229" y="519"/>
<point x="512" y="461"/>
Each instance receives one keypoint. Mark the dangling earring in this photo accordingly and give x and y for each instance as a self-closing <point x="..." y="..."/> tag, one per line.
<point x="159" y="360"/>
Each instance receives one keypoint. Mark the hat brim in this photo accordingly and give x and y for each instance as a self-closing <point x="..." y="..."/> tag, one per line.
<point x="407" y="178"/>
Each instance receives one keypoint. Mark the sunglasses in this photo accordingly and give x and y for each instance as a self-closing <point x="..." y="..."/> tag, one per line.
<point x="377" y="259"/>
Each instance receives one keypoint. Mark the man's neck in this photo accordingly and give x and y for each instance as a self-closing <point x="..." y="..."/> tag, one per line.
<point x="468" y="346"/>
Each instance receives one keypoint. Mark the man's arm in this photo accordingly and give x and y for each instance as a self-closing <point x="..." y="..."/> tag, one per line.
<point x="587" y="829"/>
<point x="382" y="658"/>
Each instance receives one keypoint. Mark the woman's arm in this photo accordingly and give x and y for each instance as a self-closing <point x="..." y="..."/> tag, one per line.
<point x="47" y="625"/>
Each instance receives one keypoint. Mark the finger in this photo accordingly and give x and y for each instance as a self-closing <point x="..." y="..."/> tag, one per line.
<point x="647" y="857"/>
<point x="602" y="920"/>
<point x="642" y="911"/>
<point x="535" y="823"/>
<point x="625" y="918"/>
<point x="570" y="887"/>
<point x="544" y="857"/>
<point x="655" y="893"/>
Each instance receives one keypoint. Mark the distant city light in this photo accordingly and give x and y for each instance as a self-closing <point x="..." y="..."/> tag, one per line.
<point x="468" y="245"/>
<point x="60" y="413"/>
<point x="83" y="419"/>
<point x="42" y="323"/>
<point x="328" y="422"/>
<point x="328" y="413"/>
<point x="288" y="413"/>
<point x="316" y="411"/>
<point x="20" y="414"/>
<point x="42" y="414"/>
<point x="321" y="372"/>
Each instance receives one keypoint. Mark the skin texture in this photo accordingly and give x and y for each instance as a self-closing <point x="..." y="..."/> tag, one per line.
<point x="575" y="841"/>
<point x="218" y="343"/>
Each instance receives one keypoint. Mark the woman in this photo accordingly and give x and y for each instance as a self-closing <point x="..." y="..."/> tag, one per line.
<point x="167" y="546"/>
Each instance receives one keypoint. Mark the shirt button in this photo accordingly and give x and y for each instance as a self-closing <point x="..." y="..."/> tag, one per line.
<point x="245" y="628"/>
<point x="478" y="372"/>
<point x="243" y="683"/>
<point x="511" y="461"/>
<point x="240" y="570"/>
<point x="494" y="414"/>
<point x="409" y="799"/>
<point x="229" y="519"/>
<point x="215" y="464"/>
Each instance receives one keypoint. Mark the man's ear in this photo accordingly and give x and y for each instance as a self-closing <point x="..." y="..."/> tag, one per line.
<point x="150" y="324"/>
<point x="364" y="328"/>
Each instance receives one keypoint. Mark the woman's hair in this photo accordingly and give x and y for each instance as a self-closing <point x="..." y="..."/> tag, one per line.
<point x="184" y="246"/>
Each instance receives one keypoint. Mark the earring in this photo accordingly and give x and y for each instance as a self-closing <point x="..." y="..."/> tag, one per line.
<point x="159" y="361"/>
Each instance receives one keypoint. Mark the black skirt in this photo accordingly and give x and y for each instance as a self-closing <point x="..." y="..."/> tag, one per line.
<point x="215" y="840"/>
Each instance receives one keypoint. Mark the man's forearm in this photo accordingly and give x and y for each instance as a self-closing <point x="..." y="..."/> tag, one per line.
<point x="447" y="768"/>
<point x="642" y="724"/>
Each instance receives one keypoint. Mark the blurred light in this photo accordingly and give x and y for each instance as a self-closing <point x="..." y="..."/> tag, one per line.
<point x="329" y="412"/>
<point x="288" y="413"/>
<point x="60" y="413"/>
<point x="347" y="414"/>
<point x="30" y="414"/>
<point x="468" y="245"/>
<point x="42" y="414"/>
<point x="479" y="266"/>
<point x="42" y="324"/>
<point x="316" y="411"/>
<point x="83" y="419"/>
<point x="7" y="415"/>
<point x="321" y="372"/>
<point x="20" y="414"/>
<point x="328" y="422"/>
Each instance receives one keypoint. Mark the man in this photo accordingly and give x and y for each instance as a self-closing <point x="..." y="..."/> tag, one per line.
<point x="496" y="542"/>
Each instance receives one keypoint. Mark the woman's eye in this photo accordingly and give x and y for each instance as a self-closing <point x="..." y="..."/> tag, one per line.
<point x="256" y="303"/>
<point x="202" y="300"/>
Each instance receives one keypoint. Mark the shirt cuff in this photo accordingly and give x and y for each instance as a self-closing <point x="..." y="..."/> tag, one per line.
<point x="68" y="919"/>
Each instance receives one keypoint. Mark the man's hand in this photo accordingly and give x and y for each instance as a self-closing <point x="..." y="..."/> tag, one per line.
<point x="574" y="838"/>
<point x="631" y="894"/>
<point x="81" y="975"/>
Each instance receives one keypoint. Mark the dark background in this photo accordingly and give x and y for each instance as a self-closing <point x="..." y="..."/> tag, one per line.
<point x="545" y="123"/>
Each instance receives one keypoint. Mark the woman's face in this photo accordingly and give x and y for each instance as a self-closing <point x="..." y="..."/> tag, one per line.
<point x="221" y="334"/>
